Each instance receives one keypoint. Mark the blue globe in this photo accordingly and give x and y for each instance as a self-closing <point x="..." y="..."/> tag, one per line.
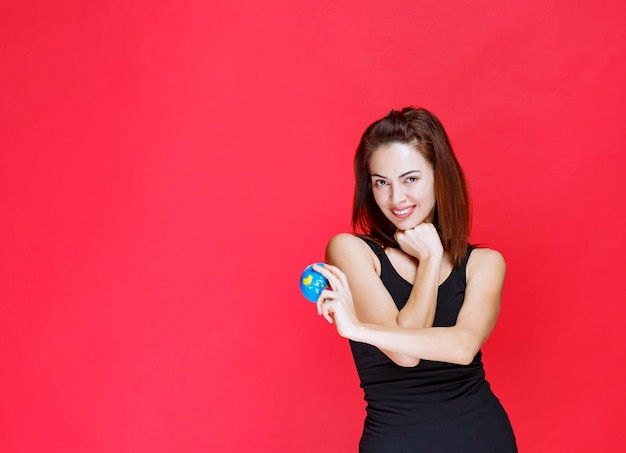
<point x="312" y="283"/>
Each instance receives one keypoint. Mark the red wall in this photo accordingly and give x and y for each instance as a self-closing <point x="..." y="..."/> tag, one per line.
<point x="169" y="168"/>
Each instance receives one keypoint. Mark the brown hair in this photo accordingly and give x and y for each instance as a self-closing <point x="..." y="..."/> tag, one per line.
<point x="421" y="129"/>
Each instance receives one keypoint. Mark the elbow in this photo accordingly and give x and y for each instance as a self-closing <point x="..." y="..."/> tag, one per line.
<point x="466" y="346"/>
<point x="407" y="322"/>
<point x="465" y="355"/>
<point x="465" y="359"/>
<point x="406" y="361"/>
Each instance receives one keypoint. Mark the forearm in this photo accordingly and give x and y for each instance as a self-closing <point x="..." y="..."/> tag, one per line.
<point x="421" y="306"/>
<point x="442" y="344"/>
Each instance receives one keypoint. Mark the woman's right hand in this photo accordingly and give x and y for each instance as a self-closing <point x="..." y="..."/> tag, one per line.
<point x="336" y="304"/>
<point x="422" y="242"/>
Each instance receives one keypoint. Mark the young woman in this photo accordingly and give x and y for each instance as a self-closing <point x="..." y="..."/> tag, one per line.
<point x="414" y="299"/>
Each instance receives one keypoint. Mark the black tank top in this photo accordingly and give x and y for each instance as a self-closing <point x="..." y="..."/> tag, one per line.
<point x="434" y="406"/>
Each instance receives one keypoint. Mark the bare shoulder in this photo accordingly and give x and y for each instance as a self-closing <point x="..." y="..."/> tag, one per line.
<point x="348" y="250"/>
<point x="486" y="261"/>
<point x="353" y="256"/>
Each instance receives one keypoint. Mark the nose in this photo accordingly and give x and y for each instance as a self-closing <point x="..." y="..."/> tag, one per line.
<point x="397" y="195"/>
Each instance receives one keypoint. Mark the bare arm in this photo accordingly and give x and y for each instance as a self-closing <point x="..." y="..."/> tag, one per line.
<point x="457" y="344"/>
<point x="373" y="303"/>
<point x="423" y="244"/>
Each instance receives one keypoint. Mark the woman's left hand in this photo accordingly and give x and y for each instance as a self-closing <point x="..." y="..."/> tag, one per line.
<point x="336" y="304"/>
<point x="422" y="242"/>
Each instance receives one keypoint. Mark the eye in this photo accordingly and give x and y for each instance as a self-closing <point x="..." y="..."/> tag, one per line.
<point x="380" y="183"/>
<point x="412" y="179"/>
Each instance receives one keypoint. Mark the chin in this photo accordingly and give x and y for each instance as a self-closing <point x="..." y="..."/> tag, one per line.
<point x="405" y="224"/>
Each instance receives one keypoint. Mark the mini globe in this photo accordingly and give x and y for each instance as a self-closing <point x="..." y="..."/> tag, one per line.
<point x="312" y="283"/>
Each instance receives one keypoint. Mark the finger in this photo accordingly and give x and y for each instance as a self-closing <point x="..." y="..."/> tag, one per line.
<point x="327" y="295"/>
<point x="335" y="283"/>
<point x="322" y="303"/>
<point x="318" y="304"/>
<point x="328" y="310"/>
<point x="328" y="316"/>
<point x="336" y="272"/>
<point x="320" y="268"/>
<point x="329" y="271"/>
<point x="326" y="268"/>
<point x="338" y="280"/>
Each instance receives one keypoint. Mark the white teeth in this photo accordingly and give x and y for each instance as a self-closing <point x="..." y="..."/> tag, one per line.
<point x="402" y="212"/>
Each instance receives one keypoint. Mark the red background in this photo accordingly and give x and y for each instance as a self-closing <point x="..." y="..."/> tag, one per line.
<point x="169" y="168"/>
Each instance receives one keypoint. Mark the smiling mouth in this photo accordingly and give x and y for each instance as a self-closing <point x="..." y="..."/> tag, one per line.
<point x="403" y="212"/>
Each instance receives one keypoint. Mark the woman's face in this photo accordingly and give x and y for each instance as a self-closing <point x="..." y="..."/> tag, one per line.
<point x="403" y="184"/>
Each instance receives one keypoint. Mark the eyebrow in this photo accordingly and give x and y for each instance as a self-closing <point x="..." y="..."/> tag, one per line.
<point x="401" y="176"/>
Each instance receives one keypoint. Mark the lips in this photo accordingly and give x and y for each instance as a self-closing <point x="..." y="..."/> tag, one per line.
<point x="404" y="212"/>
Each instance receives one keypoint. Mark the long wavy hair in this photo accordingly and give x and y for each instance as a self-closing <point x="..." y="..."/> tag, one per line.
<point x="422" y="130"/>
